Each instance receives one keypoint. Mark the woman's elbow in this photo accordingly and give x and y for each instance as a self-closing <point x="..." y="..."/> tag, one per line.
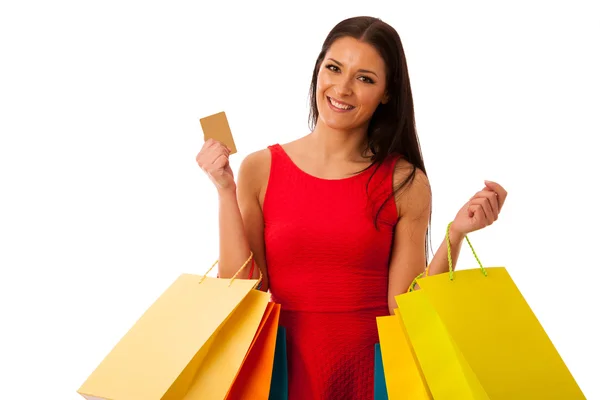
<point x="392" y="305"/>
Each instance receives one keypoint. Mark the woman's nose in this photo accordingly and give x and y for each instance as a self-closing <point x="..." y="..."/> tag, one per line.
<point x="343" y="87"/>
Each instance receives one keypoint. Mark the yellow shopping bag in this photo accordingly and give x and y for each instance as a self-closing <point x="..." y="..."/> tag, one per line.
<point x="499" y="343"/>
<point x="403" y="376"/>
<point x="190" y="344"/>
<point x="444" y="370"/>
<point x="414" y="343"/>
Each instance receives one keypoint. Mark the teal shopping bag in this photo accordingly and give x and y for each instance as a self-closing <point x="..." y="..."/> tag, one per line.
<point x="379" y="380"/>
<point x="279" y="380"/>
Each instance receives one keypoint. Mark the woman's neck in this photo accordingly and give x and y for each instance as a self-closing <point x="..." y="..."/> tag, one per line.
<point x="333" y="144"/>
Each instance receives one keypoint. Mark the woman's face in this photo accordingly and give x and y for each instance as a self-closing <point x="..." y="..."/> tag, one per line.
<point x="350" y="84"/>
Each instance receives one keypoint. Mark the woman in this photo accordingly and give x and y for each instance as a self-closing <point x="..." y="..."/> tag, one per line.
<point x="338" y="220"/>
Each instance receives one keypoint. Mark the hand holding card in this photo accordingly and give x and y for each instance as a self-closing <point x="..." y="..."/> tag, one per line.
<point x="213" y="158"/>
<point x="216" y="127"/>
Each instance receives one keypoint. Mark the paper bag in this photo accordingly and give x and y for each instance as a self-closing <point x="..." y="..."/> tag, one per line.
<point x="495" y="332"/>
<point x="442" y="371"/>
<point x="254" y="378"/>
<point x="279" y="380"/>
<point x="169" y="351"/>
<point x="380" y="390"/>
<point x="403" y="376"/>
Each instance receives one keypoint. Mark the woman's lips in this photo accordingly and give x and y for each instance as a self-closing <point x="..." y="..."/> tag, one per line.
<point x="339" y="106"/>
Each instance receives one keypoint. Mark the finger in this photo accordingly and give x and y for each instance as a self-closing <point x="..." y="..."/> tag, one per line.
<point x="218" y="153"/>
<point x="487" y="209"/>
<point x="498" y="189"/>
<point x="219" y="147"/>
<point x="219" y="163"/>
<point x="500" y="200"/>
<point x="492" y="199"/>
<point x="213" y="143"/>
<point x="477" y="214"/>
<point x="200" y="160"/>
<point x="479" y="217"/>
<point x="207" y="146"/>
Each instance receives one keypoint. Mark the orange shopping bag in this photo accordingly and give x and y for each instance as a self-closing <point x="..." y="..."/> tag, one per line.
<point x="254" y="378"/>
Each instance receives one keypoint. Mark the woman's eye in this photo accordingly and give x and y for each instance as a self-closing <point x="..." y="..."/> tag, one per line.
<point x="334" y="68"/>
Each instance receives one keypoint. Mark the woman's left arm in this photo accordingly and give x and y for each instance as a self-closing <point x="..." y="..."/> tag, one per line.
<point x="408" y="257"/>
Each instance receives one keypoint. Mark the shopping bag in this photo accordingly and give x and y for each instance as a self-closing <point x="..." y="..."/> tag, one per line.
<point x="197" y="325"/>
<point x="443" y="371"/>
<point x="494" y="331"/>
<point x="254" y="378"/>
<point x="379" y="377"/>
<point x="279" y="380"/>
<point x="403" y="376"/>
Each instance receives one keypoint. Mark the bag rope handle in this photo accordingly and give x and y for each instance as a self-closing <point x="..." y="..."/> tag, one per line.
<point x="450" y="264"/>
<point x="251" y="258"/>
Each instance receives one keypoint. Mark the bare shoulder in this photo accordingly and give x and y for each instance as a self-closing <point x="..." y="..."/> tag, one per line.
<point x="295" y="146"/>
<point x="415" y="196"/>
<point x="256" y="161"/>
<point x="254" y="172"/>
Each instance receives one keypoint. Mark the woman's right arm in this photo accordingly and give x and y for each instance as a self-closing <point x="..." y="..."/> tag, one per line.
<point x="241" y="224"/>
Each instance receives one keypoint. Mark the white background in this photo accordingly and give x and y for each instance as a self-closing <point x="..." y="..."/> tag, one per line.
<point x="103" y="205"/>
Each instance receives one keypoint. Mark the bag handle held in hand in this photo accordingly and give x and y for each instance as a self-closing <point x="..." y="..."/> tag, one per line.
<point x="237" y="273"/>
<point x="450" y="255"/>
<point x="450" y="264"/>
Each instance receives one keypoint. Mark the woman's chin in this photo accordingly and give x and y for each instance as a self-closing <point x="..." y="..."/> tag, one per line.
<point x="338" y="122"/>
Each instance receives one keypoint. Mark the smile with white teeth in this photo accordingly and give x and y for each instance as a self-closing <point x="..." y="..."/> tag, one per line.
<point x="339" y="105"/>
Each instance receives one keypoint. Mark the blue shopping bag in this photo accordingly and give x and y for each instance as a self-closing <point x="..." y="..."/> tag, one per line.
<point x="379" y="381"/>
<point x="279" y="380"/>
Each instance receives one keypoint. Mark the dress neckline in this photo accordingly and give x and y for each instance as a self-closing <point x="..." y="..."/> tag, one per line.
<point x="303" y="172"/>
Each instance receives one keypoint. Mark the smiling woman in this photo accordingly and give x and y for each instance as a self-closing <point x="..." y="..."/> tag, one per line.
<point x="338" y="220"/>
<point x="352" y="80"/>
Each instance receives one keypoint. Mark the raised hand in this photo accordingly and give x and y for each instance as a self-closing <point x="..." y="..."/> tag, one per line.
<point x="481" y="210"/>
<point x="213" y="159"/>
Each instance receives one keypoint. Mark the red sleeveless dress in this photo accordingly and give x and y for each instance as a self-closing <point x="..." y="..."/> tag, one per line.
<point x="328" y="268"/>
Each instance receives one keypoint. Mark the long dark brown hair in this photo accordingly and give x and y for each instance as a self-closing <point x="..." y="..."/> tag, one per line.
<point x="392" y="129"/>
